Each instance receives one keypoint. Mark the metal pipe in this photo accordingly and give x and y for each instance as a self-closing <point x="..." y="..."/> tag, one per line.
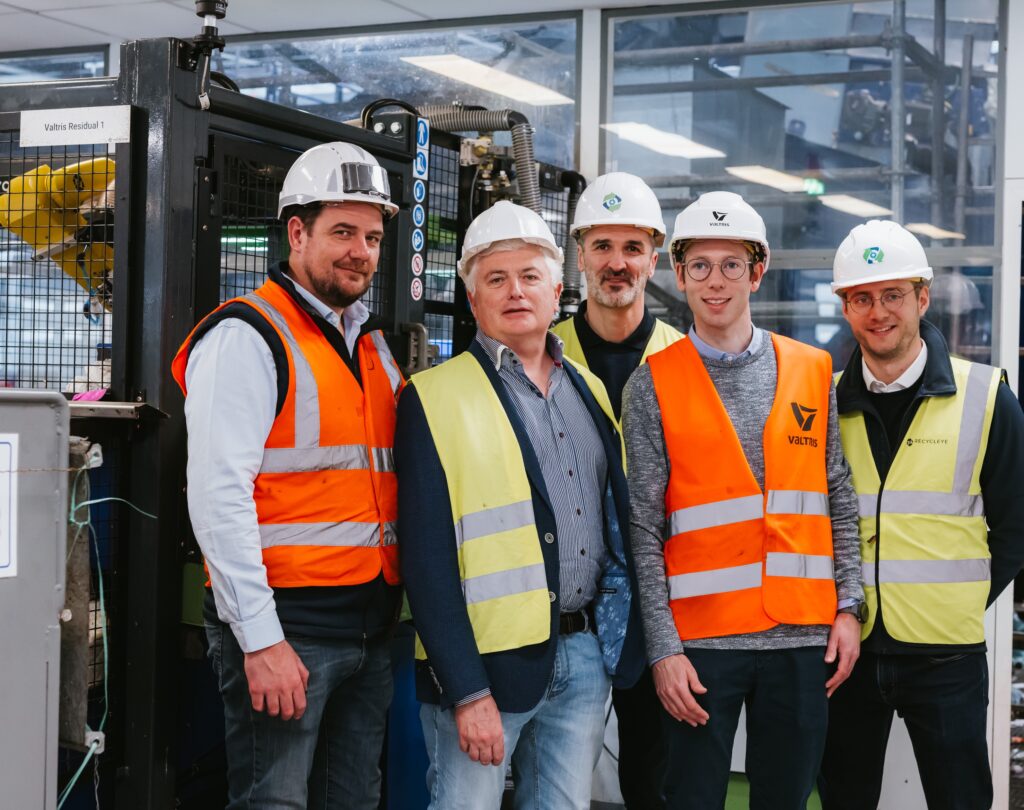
<point x="938" y="115"/>
<point x="459" y="119"/>
<point x="570" y="300"/>
<point x="676" y="55"/>
<point x="962" y="126"/>
<point x="726" y="83"/>
<point x="897" y="109"/>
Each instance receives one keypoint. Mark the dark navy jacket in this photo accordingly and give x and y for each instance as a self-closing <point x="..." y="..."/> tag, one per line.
<point x="429" y="562"/>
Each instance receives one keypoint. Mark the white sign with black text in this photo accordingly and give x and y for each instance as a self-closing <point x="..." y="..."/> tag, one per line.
<point x="76" y="125"/>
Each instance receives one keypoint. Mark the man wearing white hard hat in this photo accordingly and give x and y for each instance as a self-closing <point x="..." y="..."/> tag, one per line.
<point x="743" y="526"/>
<point x="936" y="444"/>
<point x="512" y="508"/>
<point x="618" y="229"/>
<point x="290" y="408"/>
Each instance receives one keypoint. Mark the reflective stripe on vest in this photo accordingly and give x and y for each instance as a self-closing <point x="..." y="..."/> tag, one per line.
<point x="928" y="523"/>
<point x="751" y="559"/>
<point x="501" y="564"/>
<point x="325" y="492"/>
<point x="748" y="507"/>
<point x="741" y="577"/>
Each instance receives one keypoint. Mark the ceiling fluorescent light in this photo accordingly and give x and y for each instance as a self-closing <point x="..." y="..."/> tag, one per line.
<point x="764" y="176"/>
<point x="854" y="206"/>
<point x="662" y="142"/>
<point x="487" y="78"/>
<point x="933" y="231"/>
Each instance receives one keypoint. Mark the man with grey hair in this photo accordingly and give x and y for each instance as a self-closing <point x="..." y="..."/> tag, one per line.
<point x="512" y="504"/>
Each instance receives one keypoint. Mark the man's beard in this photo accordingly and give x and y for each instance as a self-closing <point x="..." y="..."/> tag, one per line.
<point x="328" y="290"/>
<point x="616" y="300"/>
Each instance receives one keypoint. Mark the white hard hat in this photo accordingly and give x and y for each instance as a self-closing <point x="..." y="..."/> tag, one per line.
<point x="878" y="250"/>
<point x="619" y="198"/>
<point x="720" y="215"/>
<point x="505" y="220"/>
<point x="336" y="172"/>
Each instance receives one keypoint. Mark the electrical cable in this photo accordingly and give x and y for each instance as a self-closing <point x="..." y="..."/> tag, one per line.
<point x="87" y="525"/>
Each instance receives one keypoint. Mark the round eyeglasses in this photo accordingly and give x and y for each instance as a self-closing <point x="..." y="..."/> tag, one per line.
<point x="732" y="268"/>
<point x="862" y="303"/>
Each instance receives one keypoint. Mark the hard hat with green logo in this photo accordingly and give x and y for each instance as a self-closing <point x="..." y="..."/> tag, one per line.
<point x="619" y="198"/>
<point x="879" y="250"/>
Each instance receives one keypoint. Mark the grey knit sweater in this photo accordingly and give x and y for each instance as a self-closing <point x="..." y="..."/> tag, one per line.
<point x="747" y="389"/>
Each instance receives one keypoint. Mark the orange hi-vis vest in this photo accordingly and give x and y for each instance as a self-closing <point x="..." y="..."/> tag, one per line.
<point x="326" y="493"/>
<point x="739" y="560"/>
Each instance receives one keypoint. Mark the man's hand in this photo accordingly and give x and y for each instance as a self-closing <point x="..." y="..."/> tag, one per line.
<point x="676" y="682"/>
<point x="844" y="641"/>
<point x="480" y="732"/>
<point x="277" y="681"/>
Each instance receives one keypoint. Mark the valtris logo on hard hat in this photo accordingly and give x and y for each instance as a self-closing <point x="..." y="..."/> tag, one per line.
<point x="613" y="202"/>
<point x="874" y="255"/>
<point x="720" y="220"/>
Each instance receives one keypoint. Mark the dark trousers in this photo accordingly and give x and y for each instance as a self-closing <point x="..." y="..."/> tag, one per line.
<point x="943" y="701"/>
<point x="787" y="714"/>
<point x="642" y="749"/>
<point x="328" y="760"/>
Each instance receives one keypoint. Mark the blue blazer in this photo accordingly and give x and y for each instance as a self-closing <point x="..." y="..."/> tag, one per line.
<point x="429" y="564"/>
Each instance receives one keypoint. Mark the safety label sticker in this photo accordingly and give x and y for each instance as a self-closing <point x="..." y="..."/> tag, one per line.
<point x="419" y="167"/>
<point x="417" y="240"/>
<point x="76" y="125"/>
<point x="417" y="264"/>
<point x="422" y="164"/>
<point x="419" y="191"/>
<point x="416" y="289"/>
<point x="419" y="215"/>
<point x="8" y="505"/>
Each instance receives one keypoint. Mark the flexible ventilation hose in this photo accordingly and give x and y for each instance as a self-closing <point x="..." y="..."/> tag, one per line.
<point x="570" y="301"/>
<point x="459" y="119"/>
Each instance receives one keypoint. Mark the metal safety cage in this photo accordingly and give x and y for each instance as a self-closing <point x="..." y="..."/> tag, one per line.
<point x="100" y="283"/>
<point x="457" y="195"/>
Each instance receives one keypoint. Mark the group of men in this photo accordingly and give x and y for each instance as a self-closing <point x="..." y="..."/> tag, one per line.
<point x="696" y="523"/>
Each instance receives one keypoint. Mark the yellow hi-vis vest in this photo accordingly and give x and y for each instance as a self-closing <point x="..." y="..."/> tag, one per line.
<point x="500" y="560"/>
<point x="923" y="536"/>
<point x="662" y="336"/>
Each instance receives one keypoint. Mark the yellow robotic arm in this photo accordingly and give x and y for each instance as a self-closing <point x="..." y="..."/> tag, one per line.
<point x="45" y="208"/>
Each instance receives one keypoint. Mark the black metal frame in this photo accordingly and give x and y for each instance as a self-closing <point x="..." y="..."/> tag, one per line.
<point x="165" y="254"/>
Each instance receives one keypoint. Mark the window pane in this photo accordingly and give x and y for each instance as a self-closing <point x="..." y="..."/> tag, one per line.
<point x="526" y="66"/>
<point x="794" y="109"/>
<point x="42" y="67"/>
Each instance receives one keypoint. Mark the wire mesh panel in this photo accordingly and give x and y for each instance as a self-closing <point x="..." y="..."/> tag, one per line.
<point x="253" y="239"/>
<point x="555" y="210"/>
<point x="442" y="247"/>
<point x="56" y="265"/>
<point x="251" y="235"/>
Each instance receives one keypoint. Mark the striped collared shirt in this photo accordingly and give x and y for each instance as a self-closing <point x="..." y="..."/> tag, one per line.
<point x="572" y="461"/>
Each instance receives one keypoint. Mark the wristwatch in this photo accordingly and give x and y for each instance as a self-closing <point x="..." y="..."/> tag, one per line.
<point x="858" y="609"/>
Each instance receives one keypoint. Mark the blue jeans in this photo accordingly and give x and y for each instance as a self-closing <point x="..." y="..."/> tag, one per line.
<point x="787" y="714"/>
<point x="328" y="759"/>
<point x="554" y="747"/>
<point x="943" y="700"/>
